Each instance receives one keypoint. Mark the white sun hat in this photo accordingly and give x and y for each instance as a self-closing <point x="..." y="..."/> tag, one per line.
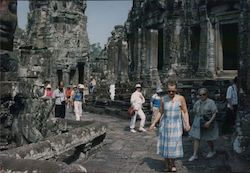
<point x="138" y="86"/>
<point x="81" y="86"/>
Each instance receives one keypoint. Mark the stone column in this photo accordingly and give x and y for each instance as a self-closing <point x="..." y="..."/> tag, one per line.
<point x="124" y="61"/>
<point x="203" y="43"/>
<point x="151" y="71"/>
<point x="66" y="76"/>
<point x="211" y="49"/>
<point x="218" y="49"/>
<point x="244" y="37"/>
<point x="140" y="52"/>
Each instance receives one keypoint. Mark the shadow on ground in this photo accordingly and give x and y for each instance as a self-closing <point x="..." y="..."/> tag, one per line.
<point x="155" y="164"/>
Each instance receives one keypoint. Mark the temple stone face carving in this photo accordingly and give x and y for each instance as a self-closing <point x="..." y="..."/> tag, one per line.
<point x="57" y="47"/>
<point x="8" y="22"/>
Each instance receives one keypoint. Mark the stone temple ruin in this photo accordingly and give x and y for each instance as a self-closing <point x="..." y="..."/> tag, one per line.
<point x="57" y="44"/>
<point x="54" y="48"/>
<point x="198" y="42"/>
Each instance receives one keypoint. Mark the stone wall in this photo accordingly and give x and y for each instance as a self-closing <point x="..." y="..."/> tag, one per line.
<point x="185" y="39"/>
<point x="241" y="135"/>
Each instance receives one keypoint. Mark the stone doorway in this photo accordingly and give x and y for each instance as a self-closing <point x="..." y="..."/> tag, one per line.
<point x="71" y="76"/>
<point x="80" y="67"/>
<point x="229" y="37"/>
<point x="59" y="75"/>
<point x="160" y="50"/>
<point x="195" y="46"/>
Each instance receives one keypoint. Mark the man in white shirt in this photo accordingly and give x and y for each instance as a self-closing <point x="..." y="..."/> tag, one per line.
<point x="136" y="101"/>
<point x="232" y="106"/>
<point x="60" y="98"/>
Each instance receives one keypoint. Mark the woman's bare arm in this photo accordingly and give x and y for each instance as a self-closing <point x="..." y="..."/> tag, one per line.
<point x="185" y="115"/>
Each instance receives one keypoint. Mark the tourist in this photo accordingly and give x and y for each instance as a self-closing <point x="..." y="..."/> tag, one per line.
<point x="60" y="101"/>
<point x="173" y="113"/>
<point x="232" y="106"/>
<point x="78" y="99"/>
<point x="137" y="100"/>
<point x="48" y="93"/>
<point x="74" y="88"/>
<point x="204" y="126"/>
<point x="155" y="103"/>
<point x="68" y="95"/>
<point x="92" y="85"/>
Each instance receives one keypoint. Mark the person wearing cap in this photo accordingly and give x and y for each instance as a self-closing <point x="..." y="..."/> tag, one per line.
<point x="78" y="99"/>
<point x="136" y="101"/>
<point x="155" y="103"/>
<point x="48" y="92"/>
<point x="60" y="100"/>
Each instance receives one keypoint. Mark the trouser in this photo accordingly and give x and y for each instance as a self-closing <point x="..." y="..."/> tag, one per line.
<point x="60" y="111"/>
<point x="78" y="109"/>
<point x="133" y="118"/>
<point x="230" y="119"/>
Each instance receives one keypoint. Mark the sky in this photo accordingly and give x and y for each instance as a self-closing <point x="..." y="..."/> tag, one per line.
<point x="102" y="17"/>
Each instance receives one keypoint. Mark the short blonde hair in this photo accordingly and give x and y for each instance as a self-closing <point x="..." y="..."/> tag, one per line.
<point x="203" y="89"/>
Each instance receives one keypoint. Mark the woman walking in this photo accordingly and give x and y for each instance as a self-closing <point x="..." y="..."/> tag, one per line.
<point x="173" y="114"/>
<point x="204" y="126"/>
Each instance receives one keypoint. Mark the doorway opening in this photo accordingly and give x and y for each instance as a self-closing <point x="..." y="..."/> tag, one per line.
<point x="59" y="75"/>
<point x="229" y="34"/>
<point x="160" y="50"/>
<point x="80" y="72"/>
<point x="195" y="46"/>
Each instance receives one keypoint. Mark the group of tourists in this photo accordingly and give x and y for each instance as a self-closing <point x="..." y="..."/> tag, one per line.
<point x="171" y="113"/>
<point x="71" y="97"/>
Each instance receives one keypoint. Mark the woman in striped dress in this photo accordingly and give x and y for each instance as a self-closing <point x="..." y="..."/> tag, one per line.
<point x="173" y="115"/>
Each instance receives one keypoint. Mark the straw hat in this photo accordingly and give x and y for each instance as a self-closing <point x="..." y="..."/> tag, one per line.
<point x="138" y="86"/>
<point x="48" y="86"/>
<point x="81" y="86"/>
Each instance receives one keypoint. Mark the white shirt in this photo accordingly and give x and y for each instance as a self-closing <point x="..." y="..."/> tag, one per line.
<point x="232" y="95"/>
<point x="59" y="96"/>
<point x="137" y="100"/>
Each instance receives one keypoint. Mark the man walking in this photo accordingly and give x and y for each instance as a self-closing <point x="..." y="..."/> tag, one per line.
<point x="137" y="100"/>
<point x="59" y="96"/>
<point x="232" y="106"/>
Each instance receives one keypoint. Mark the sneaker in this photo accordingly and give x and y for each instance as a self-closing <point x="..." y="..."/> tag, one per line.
<point x="141" y="129"/>
<point x="192" y="158"/>
<point x="210" y="154"/>
<point x="133" y="130"/>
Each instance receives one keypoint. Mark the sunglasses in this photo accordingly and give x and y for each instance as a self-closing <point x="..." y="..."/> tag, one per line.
<point x="169" y="91"/>
<point x="202" y="94"/>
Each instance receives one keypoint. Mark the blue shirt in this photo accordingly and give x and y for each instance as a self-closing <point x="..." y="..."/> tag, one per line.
<point x="78" y="96"/>
<point x="156" y="101"/>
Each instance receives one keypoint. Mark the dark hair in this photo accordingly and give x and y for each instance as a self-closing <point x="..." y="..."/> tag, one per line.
<point x="236" y="79"/>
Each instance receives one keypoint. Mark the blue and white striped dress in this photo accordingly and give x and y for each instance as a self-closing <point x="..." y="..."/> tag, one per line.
<point x="170" y="132"/>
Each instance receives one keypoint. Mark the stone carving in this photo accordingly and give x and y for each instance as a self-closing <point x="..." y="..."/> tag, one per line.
<point x="8" y="22"/>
